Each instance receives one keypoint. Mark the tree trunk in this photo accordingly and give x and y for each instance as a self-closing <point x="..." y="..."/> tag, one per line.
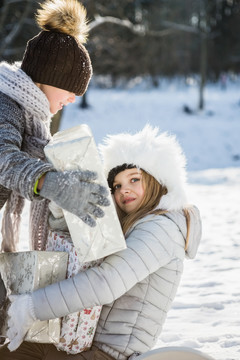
<point x="203" y="70"/>
<point x="203" y="27"/>
<point x="84" y="103"/>
<point x="56" y="121"/>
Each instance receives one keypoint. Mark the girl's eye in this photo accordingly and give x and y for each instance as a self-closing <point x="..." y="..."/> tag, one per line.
<point x="134" y="180"/>
<point x="117" y="186"/>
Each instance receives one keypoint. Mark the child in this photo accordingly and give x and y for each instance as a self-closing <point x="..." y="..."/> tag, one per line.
<point x="55" y="67"/>
<point x="136" y="286"/>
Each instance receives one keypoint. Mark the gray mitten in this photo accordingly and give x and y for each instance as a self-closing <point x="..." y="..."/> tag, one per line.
<point x="57" y="224"/>
<point x="56" y="219"/>
<point x="75" y="192"/>
<point x="21" y="317"/>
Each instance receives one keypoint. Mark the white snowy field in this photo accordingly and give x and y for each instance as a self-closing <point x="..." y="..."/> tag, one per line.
<point x="210" y="138"/>
<point x="206" y="311"/>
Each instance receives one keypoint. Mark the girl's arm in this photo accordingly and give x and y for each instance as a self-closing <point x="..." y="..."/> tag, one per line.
<point x="149" y="247"/>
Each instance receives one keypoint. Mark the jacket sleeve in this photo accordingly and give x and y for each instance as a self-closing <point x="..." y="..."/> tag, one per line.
<point x="148" y="248"/>
<point x="18" y="171"/>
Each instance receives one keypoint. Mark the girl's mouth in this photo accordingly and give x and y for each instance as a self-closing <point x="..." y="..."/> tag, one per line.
<point x="128" y="200"/>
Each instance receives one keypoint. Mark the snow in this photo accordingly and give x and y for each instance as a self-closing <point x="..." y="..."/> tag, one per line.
<point x="206" y="311"/>
<point x="210" y="139"/>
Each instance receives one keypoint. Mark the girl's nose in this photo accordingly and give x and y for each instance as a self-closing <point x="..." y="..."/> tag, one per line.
<point x="124" y="189"/>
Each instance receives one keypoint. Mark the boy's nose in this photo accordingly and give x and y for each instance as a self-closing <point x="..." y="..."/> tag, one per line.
<point x="72" y="98"/>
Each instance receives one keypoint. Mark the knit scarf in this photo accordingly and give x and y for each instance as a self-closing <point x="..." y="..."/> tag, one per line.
<point x="17" y="85"/>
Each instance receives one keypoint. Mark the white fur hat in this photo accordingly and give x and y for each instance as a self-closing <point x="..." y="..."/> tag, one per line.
<point x="158" y="154"/>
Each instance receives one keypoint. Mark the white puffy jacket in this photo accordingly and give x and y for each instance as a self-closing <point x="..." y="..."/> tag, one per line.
<point x="136" y="285"/>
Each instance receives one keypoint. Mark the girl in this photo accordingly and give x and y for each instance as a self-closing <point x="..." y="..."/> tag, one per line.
<point x="136" y="286"/>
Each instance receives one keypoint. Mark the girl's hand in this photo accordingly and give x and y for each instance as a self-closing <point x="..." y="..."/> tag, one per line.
<point x="21" y="317"/>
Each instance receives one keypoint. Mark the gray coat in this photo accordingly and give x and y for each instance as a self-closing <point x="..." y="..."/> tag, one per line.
<point x="136" y="285"/>
<point x="24" y="132"/>
<point x="18" y="169"/>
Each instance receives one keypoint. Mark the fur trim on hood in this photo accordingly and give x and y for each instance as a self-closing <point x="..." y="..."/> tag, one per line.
<point x="159" y="154"/>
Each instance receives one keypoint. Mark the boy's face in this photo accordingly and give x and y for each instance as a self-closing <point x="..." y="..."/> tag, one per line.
<point x="57" y="97"/>
<point x="128" y="189"/>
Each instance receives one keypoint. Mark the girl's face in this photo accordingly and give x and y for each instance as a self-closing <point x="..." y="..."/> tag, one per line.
<point x="128" y="189"/>
<point x="57" y="97"/>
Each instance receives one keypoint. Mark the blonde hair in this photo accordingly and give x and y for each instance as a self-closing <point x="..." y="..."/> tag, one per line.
<point x="150" y="201"/>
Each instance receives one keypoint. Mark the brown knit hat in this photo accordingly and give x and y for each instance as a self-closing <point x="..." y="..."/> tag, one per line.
<point x="57" y="56"/>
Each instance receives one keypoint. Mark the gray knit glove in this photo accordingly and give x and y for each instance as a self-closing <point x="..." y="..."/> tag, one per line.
<point x="75" y="192"/>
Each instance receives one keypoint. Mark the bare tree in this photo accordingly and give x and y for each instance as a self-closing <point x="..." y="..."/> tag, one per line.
<point x="16" y="27"/>
<point x="169" y="29"/>
<point x="133" y="37"/>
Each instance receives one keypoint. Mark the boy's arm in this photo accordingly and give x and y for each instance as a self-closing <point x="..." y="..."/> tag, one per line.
<point x="74" y="191"/>
<point x="18" y="171"/>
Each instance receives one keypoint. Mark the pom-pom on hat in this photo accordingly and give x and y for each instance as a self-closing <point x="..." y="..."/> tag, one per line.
<point x="159" y="154"/>
<point x="57" y="56"/>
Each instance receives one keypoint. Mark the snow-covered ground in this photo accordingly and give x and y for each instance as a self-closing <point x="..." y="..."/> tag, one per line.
<point x="210" y="138"/>
<point x="206" y="312"/>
